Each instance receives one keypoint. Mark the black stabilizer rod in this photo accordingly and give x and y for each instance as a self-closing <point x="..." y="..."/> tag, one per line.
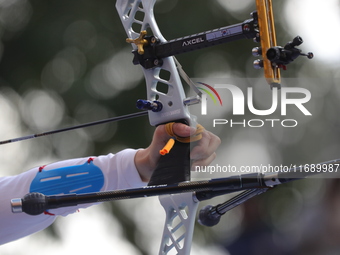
<point x="329" y="169"/>
<point x="210" y="215"/>
<point x="37" y="203"/>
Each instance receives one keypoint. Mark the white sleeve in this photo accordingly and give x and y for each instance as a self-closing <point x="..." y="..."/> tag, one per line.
<point x="119" y="172"/>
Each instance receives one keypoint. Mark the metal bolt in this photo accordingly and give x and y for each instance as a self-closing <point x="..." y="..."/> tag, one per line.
<point x="257" y="51"/>
<point x="153" y="39"/>
<point x="258" y="64"/>
<point x="256" y="39"/>
<point x="246" y="27"/>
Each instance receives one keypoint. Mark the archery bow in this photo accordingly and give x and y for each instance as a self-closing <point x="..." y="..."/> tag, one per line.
<point x="171" y="176"/>
<point x="173" y="109"/>
<point x="154" y="54"/>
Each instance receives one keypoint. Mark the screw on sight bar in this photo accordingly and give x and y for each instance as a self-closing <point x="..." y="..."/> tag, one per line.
<point x="140" y="42"/>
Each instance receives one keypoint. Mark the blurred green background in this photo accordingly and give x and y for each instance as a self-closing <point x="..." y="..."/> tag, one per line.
<point x="66" y="62"/>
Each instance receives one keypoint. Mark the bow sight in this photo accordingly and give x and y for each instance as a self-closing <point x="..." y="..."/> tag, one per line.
<point x="282" y="56"/>
<point x="151" y="51"/>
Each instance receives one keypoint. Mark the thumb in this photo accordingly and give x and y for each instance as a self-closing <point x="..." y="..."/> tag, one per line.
<point x="183" y="130"/>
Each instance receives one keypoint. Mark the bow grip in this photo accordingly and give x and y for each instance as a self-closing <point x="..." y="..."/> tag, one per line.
<point x="173" y="167"/>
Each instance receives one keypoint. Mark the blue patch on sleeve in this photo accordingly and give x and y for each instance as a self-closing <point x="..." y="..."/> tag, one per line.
<point x="78" y="179"/>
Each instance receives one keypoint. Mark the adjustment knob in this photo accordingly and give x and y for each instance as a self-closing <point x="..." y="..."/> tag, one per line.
<point x="297" y="41"/>
<point x="310" y="55"/>
<point x="257" y="51"/>
<point x="257" y="38"/>
<point x="274" y="54"/>
<point x="258" y="64"/>
<point x="140" y="42"/>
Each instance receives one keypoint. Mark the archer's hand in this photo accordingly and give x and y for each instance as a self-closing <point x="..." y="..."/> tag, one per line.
<point x="201" y="155"/>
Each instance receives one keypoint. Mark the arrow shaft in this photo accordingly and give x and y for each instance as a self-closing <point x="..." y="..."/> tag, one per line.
<point x="89" y="124"/>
